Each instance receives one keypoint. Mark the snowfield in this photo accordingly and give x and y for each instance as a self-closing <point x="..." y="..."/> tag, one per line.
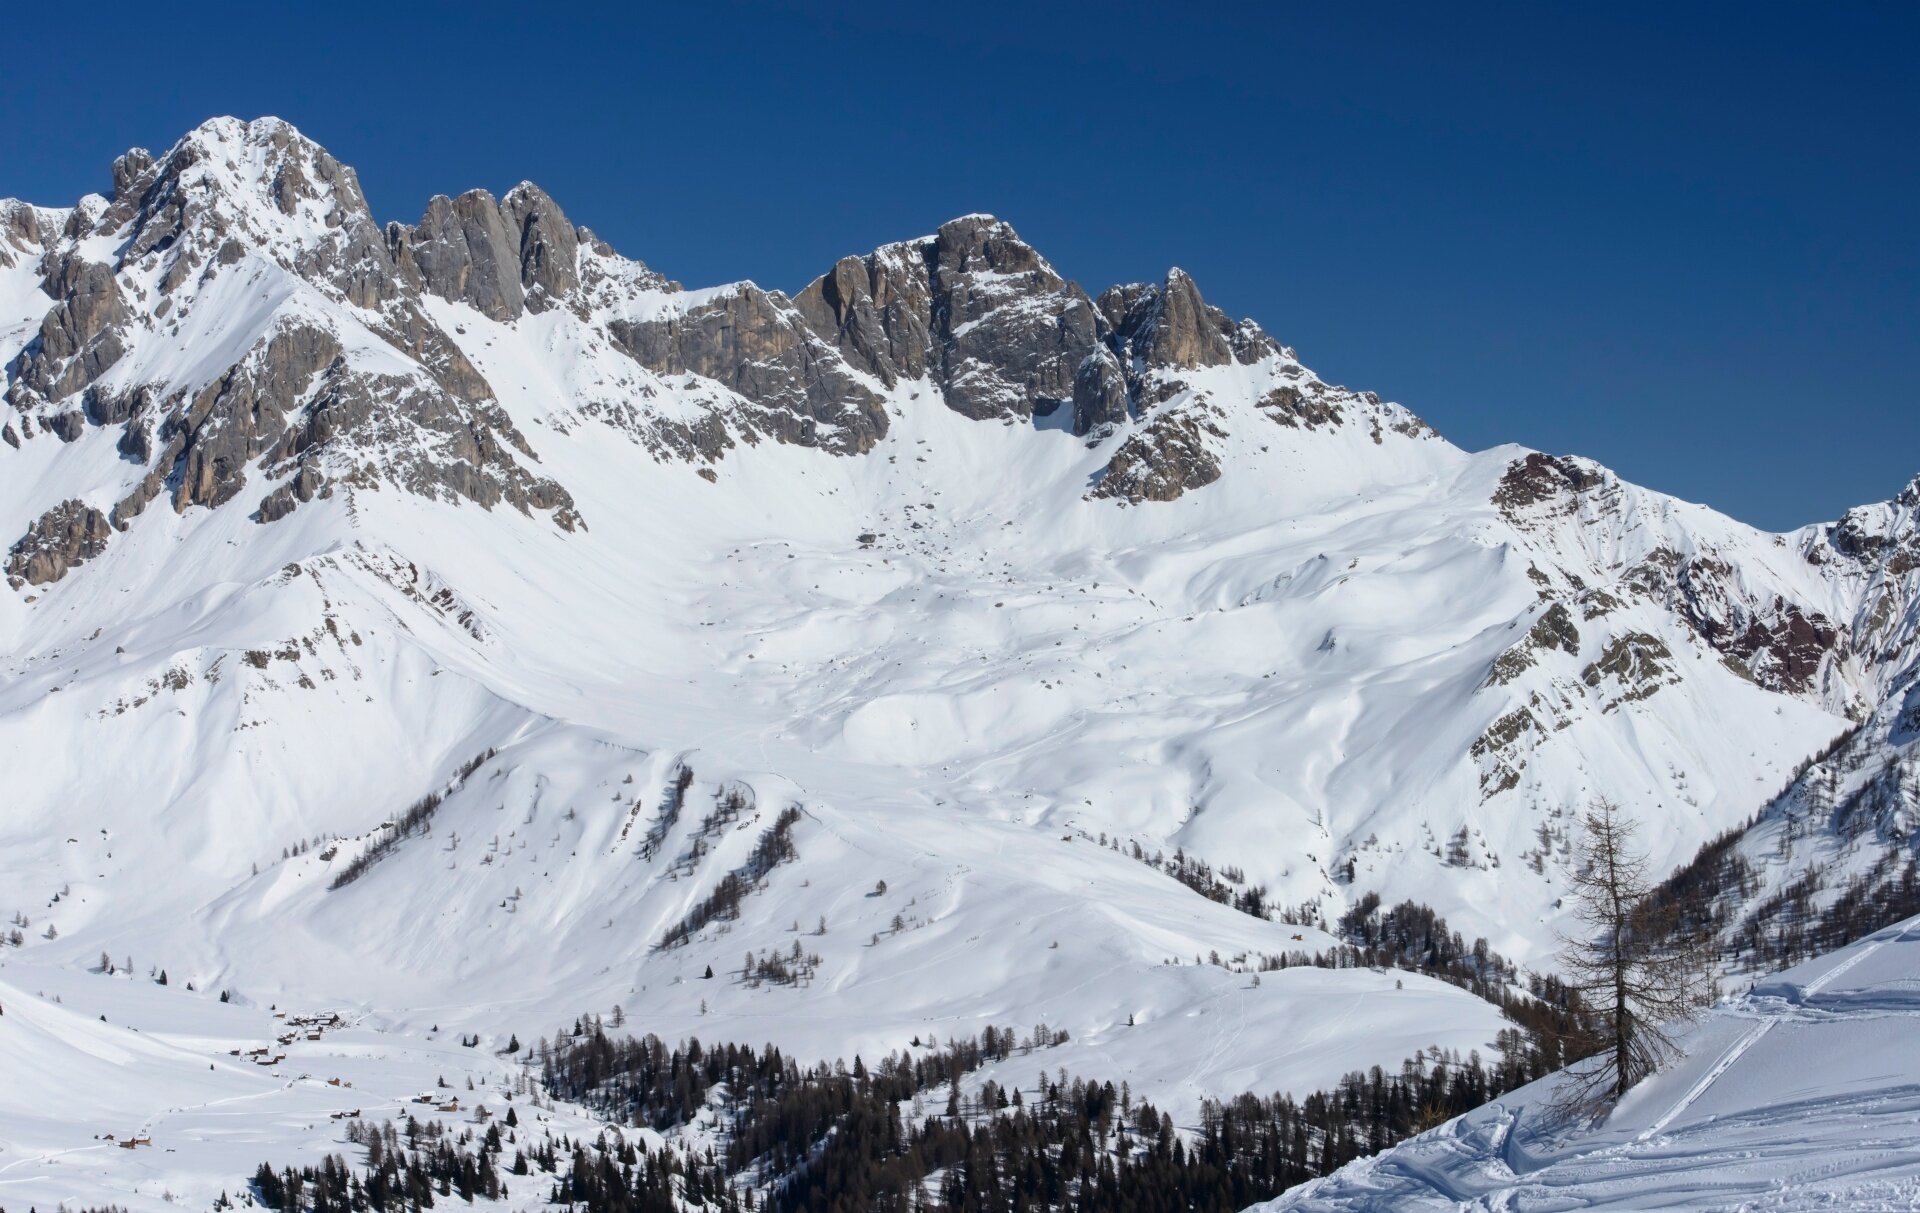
<point x="1800" y="1094"/>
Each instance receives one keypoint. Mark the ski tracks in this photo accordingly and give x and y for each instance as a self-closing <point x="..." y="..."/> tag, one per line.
<point x="1754" y="1035"/>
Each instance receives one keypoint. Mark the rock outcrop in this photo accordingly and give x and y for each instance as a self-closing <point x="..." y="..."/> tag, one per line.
<point x="1162" y="460"/>
<point x="758" y="345"/>
<point x="1169" y="325"/>
<point x="69" y="534"/>
<point x="973" y="307"/>
<point x="461" y="251"/>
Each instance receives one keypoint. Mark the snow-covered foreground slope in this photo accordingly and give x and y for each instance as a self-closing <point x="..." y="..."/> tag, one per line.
<point x="990" y="581"/>
<point x="1801" y="1094"/>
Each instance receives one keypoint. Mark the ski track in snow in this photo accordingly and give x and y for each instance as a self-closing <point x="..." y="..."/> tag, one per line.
<point x="1829" y="1118"/>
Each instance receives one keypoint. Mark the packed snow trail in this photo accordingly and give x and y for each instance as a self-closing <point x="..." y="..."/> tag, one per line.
<point x="1817" y="1105"/>
<point x="1732" y="1055"/>
<point x="1740" y="1047"/>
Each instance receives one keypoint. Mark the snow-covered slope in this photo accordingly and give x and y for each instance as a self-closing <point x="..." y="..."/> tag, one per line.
<point x="990" y="579"/>
<point x="1799" y="1094"/>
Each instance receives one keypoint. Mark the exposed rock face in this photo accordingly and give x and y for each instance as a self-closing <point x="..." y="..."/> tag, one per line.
<point x="503" y="258"/>
<point x="1542" y="480"/>
<point x="79" y="339"/>
<point x="68" y="426"/>
<point x="757" y="344"/>
<point x="1554" y="629"/>
<point x="366" y="431"/>
<point x="1781" y="645"/>
<point x="233" y="188"/>
<point x="1101" y="397"/>
<point x="974" y="307"/>
<point x="1307" y="406"/>
<point x="1500" y="752"/>
<point x="1871" y="535"/>
<point x="877" y="310"/>
<point x="1170" y="325"/>
<point x="237" y="418"/>
<point x="549" y="246"/>
<point x="20" y="234"/>
<point x="1786" y="652"/>
<point x="1002" y="335"/>
<point x="1011" y="331"/>
<point x="1633" y="666"/>
<point x="461" y="250"/>
<point x="260" y="200"/>
<point x="306" y="484"/>
<point x="70" y="533"/>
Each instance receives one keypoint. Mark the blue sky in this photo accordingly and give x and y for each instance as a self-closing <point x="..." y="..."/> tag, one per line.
<point x="1678" y="238"/>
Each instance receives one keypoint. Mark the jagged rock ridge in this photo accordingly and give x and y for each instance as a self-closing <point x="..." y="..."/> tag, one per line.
<point x="253" y="230"/>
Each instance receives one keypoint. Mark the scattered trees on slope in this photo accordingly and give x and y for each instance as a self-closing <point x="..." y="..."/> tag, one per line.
<point x="774" y="847"/>
<point x="418" y="819"/>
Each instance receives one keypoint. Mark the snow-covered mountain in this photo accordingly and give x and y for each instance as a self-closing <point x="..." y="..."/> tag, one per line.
<point x="1796" y="1095"/>
<point x="533" y="589"/>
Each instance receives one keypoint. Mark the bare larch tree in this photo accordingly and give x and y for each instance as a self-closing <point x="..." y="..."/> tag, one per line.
<point x="1639" y="978"/>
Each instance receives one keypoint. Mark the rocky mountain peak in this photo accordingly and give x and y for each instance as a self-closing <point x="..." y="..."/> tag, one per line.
<point x="1882" y="534"/>
<point x="229" y="187"/>
<point x="509" y="256"/>
<point x="984" y="244"/>
<point x="1169" y="324"/>
<point x="463" y="250"/>
<point x="335" y="364"/>
<point x="973" y="307"/>
<point x="549" y="245"/>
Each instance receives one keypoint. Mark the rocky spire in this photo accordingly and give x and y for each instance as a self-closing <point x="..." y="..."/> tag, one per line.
<point x="1170" y="325"/>
<point x="461" y="250"/>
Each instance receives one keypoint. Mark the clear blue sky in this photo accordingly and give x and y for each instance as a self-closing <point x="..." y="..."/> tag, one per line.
<point x="1680" y="238"/>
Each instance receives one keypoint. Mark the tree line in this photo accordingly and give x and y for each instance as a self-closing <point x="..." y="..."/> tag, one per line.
<point x="835" y="1138"/>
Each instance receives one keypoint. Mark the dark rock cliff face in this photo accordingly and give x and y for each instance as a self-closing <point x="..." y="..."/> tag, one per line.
<point x="461" y="250"/>
<point x="549" y="246"/>
<point x="876" y="310"/>
<point x="1011" y="331"/>
<point x="236" y="419"/>
<point x="80" y="338"/>
<point x="1548" y="481"/>
<point x="502" y="258"/>
<point x="974" y="307"/>
<point x="1161" y="460"/>
<point x="69" y="534"/>
<point x="1002" y="335"/>
<point x="758" y="345"/>
<point x="20" y="234"/>
<point x="1170" y="325"/>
